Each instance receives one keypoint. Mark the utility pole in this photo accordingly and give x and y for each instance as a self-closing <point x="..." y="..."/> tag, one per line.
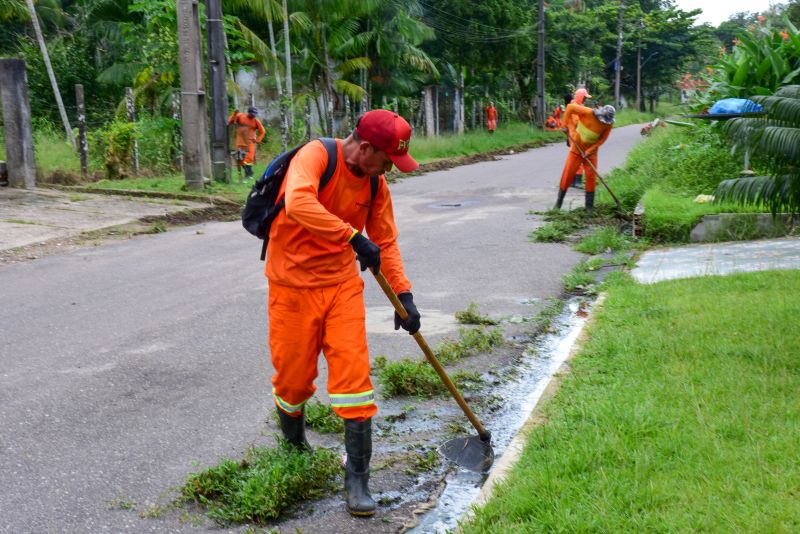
<point x="14" y="102"/>
<point x="540" y="111"/>
<point x="288" y="62"/>
<point x="618" y="60"/>
<point x="43" y="47"/>
<point x="220" y="161"/>
<point x="196" y="161"/>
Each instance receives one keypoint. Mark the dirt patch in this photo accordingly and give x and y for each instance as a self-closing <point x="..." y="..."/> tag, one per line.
<point x="226" y="211"/>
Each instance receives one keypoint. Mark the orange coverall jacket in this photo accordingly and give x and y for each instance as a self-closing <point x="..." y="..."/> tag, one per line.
<point x="584" y="129"/>
<point x="308" y="245"/>
<point x="246" y="127"/>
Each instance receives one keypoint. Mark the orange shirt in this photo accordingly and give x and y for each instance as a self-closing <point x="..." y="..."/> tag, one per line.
<point x="491" y="113"/>
<point x="584" y="128"/>
<point x="246" y="126"/>
<point x="308" y="240"/>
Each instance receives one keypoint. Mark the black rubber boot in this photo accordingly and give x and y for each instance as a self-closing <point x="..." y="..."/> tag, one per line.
<point x="248" y="172"/>
<point x="578" y="181"/>
<point x="589" y="201"/>
<point x="560" y="199"/>
<point x="294" y="430"/>
<point x="358" y="443"/>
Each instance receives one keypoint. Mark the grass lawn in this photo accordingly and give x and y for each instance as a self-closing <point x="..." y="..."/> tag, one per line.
<point x="680" y="414"/>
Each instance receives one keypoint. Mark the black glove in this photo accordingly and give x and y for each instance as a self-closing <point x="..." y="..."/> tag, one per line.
<point x="369" y="254"/>
<point x="411" y="324"/>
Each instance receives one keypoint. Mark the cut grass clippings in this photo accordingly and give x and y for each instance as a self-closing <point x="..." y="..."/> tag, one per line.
<point x="321" y="418"/>
<point x="417" y="378"/>
<point x="680" y="414"/>
<point x="264" y="484"/>
<point x="470" y="341"/>
<point x="472" y="316"/>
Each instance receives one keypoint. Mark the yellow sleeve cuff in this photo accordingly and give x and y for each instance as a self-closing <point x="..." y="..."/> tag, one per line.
<point x="352" y="235"/>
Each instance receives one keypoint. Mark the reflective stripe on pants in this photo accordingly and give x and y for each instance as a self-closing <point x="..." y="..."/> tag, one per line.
<point x="305" y="321"/>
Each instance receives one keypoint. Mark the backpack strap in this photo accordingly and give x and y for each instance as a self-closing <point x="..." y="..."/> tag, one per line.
<point x="332" y="148"/>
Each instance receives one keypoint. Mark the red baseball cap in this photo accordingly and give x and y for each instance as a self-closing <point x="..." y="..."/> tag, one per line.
<point x="389" y="132"/>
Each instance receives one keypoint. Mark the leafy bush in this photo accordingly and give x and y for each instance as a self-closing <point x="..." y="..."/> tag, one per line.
<point x="113" y="146"/>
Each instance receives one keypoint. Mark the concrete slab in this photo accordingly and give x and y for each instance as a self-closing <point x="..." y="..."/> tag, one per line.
<point x="717" y="259"/>
<point x="29" y="216"/>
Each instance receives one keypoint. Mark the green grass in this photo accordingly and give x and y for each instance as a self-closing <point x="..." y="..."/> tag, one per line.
<point x="418" y="379"/>
<point x="470" y="341"/>
<point x="472" y="316"/>
<point x="322" y="418"/>
<point x="628" y="116"/>
<point x="264" y="484"/>
<point x="427" y="149"/>
<point x="680" y="414"/>
<point x="602" y="239"/>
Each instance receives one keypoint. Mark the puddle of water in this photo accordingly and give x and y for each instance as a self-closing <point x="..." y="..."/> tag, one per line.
<point x="520" y="396"/>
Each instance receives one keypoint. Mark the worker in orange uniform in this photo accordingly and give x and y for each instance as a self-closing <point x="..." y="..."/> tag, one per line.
<point x="246" y="127"/>
<point x="579" y="98"/>
<point x="588" y="129"/>
<point x="491" y="117"/>
<point x="316" y="300"/>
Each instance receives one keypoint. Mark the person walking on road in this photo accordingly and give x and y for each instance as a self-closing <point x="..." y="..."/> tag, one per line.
<point x="491" y="117"/>
<point x="247" y="127"/>
<point x="316" y="300"/>
<point x="588" y="129"/>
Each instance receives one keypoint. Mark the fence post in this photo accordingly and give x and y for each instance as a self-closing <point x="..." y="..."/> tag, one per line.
<point x="83" y="146"/>
<point x="177" y="143"/>
<point x="129" y="106"/>
<point x="21" y="161"/>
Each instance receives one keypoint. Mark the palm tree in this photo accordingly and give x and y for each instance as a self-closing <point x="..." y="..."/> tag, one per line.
<point x="776" y="139"/>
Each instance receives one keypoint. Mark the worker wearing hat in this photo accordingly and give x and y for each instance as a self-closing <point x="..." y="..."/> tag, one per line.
<point x="316" y="300"/>
<point x="587" y="129"/>
<point x="246" y="127"/>
<point x="581" y="95"/>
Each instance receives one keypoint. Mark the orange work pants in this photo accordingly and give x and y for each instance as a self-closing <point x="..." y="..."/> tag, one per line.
<point x="571" y="166"/>
<point x="250" y="153"/>
<point x="305" y="321"/>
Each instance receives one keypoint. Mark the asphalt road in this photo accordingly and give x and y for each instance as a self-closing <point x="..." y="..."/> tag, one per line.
<point x="129" y="365"/>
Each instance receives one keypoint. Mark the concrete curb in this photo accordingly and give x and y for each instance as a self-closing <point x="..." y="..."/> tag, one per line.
<point x="502" y="469"/>
<point x="209" y="199"/>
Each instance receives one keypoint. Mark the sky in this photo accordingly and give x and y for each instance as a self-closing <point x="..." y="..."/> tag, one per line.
<point x="716" y="11"/>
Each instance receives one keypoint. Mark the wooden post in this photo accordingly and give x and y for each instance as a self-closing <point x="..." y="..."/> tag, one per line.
<point x="83" y="146"/>
<point x="131" y="109"/>
<point x="430" y="128"/>
<point x="196" y="160"/>
<point x="20" y="158"/>
<point x="215" y="38"/>
<point x="436" y="110"/>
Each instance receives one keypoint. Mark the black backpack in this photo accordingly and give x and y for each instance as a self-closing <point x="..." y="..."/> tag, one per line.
<point x="263" y="205"/>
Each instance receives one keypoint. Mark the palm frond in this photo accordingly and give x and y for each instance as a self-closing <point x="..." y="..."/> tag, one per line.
<point x="260" y="49"/>
<point x="354" y="64"/>
<point x="354" y="91"/>
<point x="778" y="193"/>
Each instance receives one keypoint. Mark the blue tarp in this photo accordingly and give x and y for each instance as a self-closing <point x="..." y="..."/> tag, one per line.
<point x="734" y="105"/>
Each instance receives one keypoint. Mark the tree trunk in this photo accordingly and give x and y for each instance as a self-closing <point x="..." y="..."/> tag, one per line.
<point x="277" y="73"/>
<point x="43" y="47"/>
<point x="288" y="61"/>
<point x="328" y="85"/>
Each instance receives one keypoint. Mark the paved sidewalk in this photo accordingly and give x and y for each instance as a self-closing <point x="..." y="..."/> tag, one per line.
<point x="32" y="216"/>
<point x="717" y="259"/>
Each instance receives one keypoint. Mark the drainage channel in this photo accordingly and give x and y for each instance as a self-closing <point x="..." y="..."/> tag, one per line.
<point x="540" y="363"/>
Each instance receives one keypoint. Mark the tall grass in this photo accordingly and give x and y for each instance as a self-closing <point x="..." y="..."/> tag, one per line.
<point x="680" y="415"/>
<point x="427" y="149"/>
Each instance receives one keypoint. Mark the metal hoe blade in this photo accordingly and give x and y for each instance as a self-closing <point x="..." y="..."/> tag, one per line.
<point x="472" y="453"/>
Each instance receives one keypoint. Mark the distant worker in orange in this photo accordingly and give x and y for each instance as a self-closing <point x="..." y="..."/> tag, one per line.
<point x="491" y="117"/>
<point x="246" y="127"/>
<point x="316" y="296"/>
<point x="588" y="129"/>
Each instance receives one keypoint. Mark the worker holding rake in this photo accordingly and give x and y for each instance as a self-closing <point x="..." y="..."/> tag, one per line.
<point x="586" y="134"/>
<point x="316" y="296"/>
